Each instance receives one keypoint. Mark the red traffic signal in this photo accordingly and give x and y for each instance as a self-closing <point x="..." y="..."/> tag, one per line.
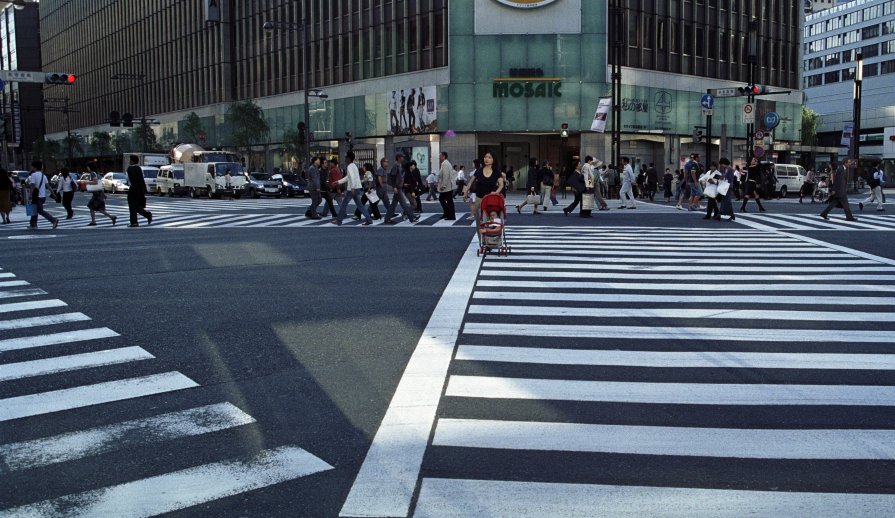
<point x="58" y="78"/>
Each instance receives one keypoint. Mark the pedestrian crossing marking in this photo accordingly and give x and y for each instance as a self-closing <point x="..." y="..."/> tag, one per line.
<point x="22" y="323"/>
<point x="27" y="342"/>
<point x="771" y="222"/>
<point x="11" y="371"/>
<point x="28" y="306"/>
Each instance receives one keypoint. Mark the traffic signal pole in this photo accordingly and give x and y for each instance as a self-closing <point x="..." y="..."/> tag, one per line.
<point x="708" y="136"/>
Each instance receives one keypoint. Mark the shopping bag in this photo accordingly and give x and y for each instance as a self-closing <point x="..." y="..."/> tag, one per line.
<point x="533" y="199"/>
<point x="587" y="202"/>
<point x="30" y="210"/>
<point x="723" y="188"/>
<point x="711" y="190"/>
<point x="372" y="197"/>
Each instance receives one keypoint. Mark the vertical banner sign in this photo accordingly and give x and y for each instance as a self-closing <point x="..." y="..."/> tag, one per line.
<point x="599" y="123"/>
<point x="847" y="130"/>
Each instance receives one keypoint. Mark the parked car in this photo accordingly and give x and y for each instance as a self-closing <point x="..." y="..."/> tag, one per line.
<point x="258" y="184"/>
<point x="115" y="183"/>
<point x="292" y="184"/>
<point x="170" y="181"/>
<point x="149" y="176"/>
<point x="82" y="182"/>
<point x="790" y="178"/>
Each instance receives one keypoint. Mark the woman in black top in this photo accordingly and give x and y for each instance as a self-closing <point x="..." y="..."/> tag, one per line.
<point x="753" y="185"/>
<point x="486" y="180"/>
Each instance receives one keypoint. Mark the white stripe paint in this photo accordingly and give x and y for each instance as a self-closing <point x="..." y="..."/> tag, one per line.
<point x="234" y="218"/>
<point x="181" y="489"/>
<point x="26" y="342"/>
<point x="88" y="395"/>
<point x="708" y="246"/>
<point x="258" y="220"/>
<point x="746" y="217"/>
<point x="685" y="297"/>
<point x="719" y="313"/>
<point x="21" y="293"/>
<point x="97" y="441"/>
<point x="616" y="241"/>
<point x="554" y="260"/>
<point x="713" y="267"/>
<point x="756" y="225"/>
<point x="387" y="479"/>
<point x="499" y="499"/>
<point x="11" y="371"/>
<point x="747" y="333"/>
<point x="182" y="219"/>
<point x="843" y="249"/>
<point x="22" y="323"/>
<point x="669" y="393"/>
<point x="10" y="284"/>
<point x="668" y="440"/>
<point x="207" y="220"/>
<point x="833" y="223"/>
<point x="710" y="276"/>
<point x="691" y="287"/>
<point x="6" y="275"/>
<point x="675" y="360"/>
<point x="28" y="306"/>
<point x="746" y="254"/>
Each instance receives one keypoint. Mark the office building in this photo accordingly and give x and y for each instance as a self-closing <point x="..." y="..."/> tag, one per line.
<point x="21" y="104"/>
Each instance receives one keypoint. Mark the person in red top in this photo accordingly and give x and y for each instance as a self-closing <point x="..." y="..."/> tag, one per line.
<point x="335" y="174"/>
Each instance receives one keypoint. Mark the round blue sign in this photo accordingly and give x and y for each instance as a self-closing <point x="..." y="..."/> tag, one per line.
<point x="771" y="120"/>
<point x="707" y="101"/>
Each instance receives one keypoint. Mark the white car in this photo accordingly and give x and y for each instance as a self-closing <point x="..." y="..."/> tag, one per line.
<point x="115" y="183"/>
<point x="150" y="174"/>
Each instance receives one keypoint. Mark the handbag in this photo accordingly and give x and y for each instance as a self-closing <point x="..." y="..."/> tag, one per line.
<point x="533" y="199"/>
<point x="587" y="202"/>
<point x="711" y="190"/>
<point x="372" y="197"/>
<point x="30" y="210"/>
<point x="723" y="187"/>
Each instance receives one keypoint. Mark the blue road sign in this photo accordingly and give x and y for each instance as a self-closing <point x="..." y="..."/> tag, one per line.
<point x="771" y="120"/>
<point x="707" y="102"/>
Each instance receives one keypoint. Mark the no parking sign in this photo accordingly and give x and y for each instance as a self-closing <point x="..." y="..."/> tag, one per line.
<point x="748" y="113"/>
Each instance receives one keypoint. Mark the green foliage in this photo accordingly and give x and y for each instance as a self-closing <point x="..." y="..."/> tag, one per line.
<point x="122" y="143"/>
<point x="168" y="139"/>
<point x="810" y="121"/>
<point x="247" y="124"/>
<point x="47" y="150"/>
<point x="136" y="138"/>
<point x="75" y="143"/>
<point x="101" y="143"/>
<point x="191" y="127"/>
<point x="293" y="147"/>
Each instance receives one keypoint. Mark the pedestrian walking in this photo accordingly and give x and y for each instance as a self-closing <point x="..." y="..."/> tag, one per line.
<point x="486" y="180"/>
<point x="712" y="179"/>
<point x="369" y="198"/>
<point x="461" y="182"/>
<point x="547" y="177"/>
<point x="382" y="182"/>
<point x="37" y="183"/>
<point x="725" y="203"/>
<point x="808" y="186"/>
<point x="875" y="182"/>
<point x="593" y="183"/>
<point x="7" y="188"/>
<point x="652" y="182"/>
<point x="432" y="183"/>
<point x="626" y="194"/>
<point x="314" y="174"/>
<point x="396" y="182"/>
<point x="97" y="202"/>
<point x="136" y="194"/>
<point x="693" y="171"/>
<point x="511" y="178"/>
<point x="667" y="182"/>
<point x="445" y="186"/>
<point x="414" y="186"/>
<point x="65" y="189"/>
<point x="353" y="191"/>
<point x="327" y="188"/>
<point x="839" y="193"/>
<point x="557" y="178"/>
<point x="576" y="182"/>
<point x="753" y="185"/>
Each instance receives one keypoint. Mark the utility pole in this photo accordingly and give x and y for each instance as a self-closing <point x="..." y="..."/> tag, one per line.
<point x="616" y="50"/>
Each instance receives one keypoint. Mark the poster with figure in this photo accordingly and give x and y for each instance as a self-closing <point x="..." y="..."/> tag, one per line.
<point x="599" y="123"/>
<point x="412" y="110"/>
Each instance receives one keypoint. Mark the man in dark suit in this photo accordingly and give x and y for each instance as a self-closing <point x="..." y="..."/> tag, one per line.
<point x="136" y="193"/>
<point x="839" y="191"/>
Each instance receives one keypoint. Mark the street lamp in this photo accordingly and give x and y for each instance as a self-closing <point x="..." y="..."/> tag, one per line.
<point x="269" y="28"/>
<point x="142" y="79"/>
<point x="856" y="132"/>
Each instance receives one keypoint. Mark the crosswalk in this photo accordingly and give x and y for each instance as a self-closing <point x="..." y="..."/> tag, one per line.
<point x="58" y="366"/>
<point x="724" y="373"/>
<point x="764" y="221"/>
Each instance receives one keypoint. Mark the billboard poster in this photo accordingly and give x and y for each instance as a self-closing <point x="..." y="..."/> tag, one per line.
<point x="599" y="123"/>
<point x="421" y="156"/>
<point x="412" y="110"/>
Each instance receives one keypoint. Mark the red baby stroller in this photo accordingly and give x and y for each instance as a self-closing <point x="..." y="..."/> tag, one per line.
<point x="493" y="230"/>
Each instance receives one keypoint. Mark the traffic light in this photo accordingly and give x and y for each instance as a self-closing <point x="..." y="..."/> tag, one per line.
<point x="60" y="78"/>
<point x="564" y="132"/>
<point x="114" y="119"/>
<point x="759" y="89"/>
<point x="127" y="120"/>
<point x="697" y="135"/>
<point x="752" y="90"/>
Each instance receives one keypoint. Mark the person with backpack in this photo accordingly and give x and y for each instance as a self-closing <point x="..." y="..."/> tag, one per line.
<point x="37" y="183"/>
<point x="875" y="182"/>
<point x="65" y="188"/>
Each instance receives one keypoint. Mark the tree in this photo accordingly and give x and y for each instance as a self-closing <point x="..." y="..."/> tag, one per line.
<point x="73" y="144"/>
<point x="168" y="139"/>
<point x="191" y="127"/>
<point x="810" y="121"/>
<point x="122" y="143"/>
<point x="101" y="142"/>
<point x="136" y="137"/>
<point x="293" y="147"/>
<point x="46" y="150"/>
<point x="247" y="124"/>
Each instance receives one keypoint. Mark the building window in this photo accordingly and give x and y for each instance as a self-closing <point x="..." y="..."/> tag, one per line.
<point x="870" y="32"/>
<point x="870" y="51"/>
<point x="815" y="80"/>
<point x="887" y="67"/>
<point x="870" y="69"/>
<point x="887" y="47"/>
<point x="831" y="77"/>
<point x="889" y="27"/>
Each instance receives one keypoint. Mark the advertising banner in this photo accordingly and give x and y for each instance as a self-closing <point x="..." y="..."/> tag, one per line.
<point x="848" y="130"/>
<point x="412" y="110"/>
<point x="603" y="107"/>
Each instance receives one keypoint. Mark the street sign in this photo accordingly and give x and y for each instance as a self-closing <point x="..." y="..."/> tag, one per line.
<point x="707" y="111"/>
<point x="759" y="135"/>
<point x="748" y="113"/>
<point x="724" y="92"/>
<point x="202" y="137"/>
<point x="707" y="102"/>
<point x="771" y="120"/>
<point x="759" y="151"/>
<point x="17" y="76"/>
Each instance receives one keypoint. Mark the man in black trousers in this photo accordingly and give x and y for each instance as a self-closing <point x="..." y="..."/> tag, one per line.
<point x="445" y="186"/>
<point x="136" y="193"/>
<point x="839" y="193"/>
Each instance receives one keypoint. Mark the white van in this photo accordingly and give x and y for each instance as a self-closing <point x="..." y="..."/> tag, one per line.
<point x="170" y="180"/>
<point x="790" y="178"/>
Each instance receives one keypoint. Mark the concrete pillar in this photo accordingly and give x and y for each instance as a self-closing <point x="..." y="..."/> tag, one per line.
<point x="597" y="145"/>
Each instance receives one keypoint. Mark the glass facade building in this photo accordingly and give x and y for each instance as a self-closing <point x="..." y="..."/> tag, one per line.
<point x="20" y="103"/>
<point x="412" y="74"/>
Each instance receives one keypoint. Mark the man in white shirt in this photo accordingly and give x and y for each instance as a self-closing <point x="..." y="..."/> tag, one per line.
<point x="38" y="182"/>
<point x="354" y="190"/>
<point x="461" y="182"/>
<point x="589" y="174"/>
<point x="446" y="180"/>
<point x="877" y="178"/>
<point x="626" y="195"/>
